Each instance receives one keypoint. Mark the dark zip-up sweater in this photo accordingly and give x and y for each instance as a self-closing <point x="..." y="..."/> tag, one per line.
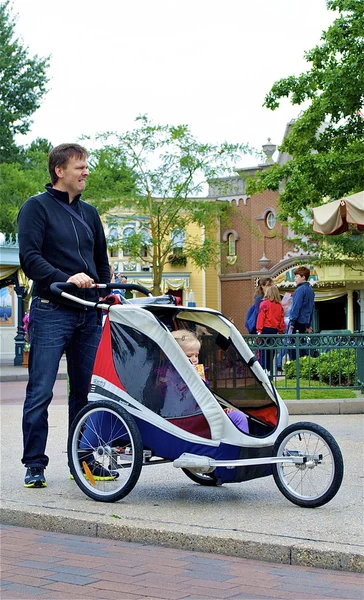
<point x="53" y="245"/>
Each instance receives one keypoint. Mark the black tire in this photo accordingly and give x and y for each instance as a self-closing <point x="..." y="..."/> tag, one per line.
<point x="323" y="476"/>
<point x="105" y="432"/>
<point x="207" y="479"/>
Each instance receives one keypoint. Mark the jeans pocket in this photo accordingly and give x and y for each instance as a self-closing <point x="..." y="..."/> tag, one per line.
<point x="45" y="305"/>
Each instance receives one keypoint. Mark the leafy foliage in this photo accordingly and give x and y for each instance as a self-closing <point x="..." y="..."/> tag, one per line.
<point x="20" y="180"/>
<point x="110" y="180"/>
<point x="168" y="169"/>
<point x="23" y="82"/>
<point x="336" y="367"/>
<point x="326" y="142"/>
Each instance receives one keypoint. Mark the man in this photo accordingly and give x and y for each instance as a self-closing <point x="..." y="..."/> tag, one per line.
<point x="300" y="318"/>
<point x="121" y="279"/>
<point x="301" y="314"/>
<point x="58" y="245"/>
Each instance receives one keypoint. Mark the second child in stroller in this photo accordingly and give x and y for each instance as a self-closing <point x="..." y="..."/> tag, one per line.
<point x="191" y="346"/>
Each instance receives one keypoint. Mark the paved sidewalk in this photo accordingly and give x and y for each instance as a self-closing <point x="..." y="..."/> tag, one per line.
<point x="57" y="566"/>
<point x="248" y="520"/>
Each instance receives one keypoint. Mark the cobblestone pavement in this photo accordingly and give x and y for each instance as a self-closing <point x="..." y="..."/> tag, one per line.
<point x="52" y="566"/>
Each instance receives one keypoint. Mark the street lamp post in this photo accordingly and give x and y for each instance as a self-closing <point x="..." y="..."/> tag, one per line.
<point x="20" y="291"/>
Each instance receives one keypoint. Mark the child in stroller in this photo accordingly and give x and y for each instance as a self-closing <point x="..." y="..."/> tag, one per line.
<point x="191" y="346"/>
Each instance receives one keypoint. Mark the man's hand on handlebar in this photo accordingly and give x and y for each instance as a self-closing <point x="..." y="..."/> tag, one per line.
<point x="81" y="280"/>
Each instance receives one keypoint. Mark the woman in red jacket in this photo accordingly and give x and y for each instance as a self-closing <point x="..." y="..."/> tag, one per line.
<point x="270" y="320"/>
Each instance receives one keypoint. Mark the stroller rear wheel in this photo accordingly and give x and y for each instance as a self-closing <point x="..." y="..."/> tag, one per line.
<point x="315" y="481"/>
<point x="202" y="478"/>
<point x="105" y="451"/>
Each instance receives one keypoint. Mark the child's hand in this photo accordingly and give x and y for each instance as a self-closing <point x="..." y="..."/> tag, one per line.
<point x="228" y="410"/>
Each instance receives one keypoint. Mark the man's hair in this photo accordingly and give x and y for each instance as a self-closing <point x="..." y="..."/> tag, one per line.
<point x="60" y="155"/>
<point x="272" y="293"/>
<point x="303" y="271"/>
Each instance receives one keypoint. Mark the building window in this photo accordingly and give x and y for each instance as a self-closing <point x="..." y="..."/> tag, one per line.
<point x="128" y="231"/>
<point x="145" y="242"/>
<point x="112" y="241"/>
<point x="231" y="245"/>
<point x="270" y="220"/>
<point x="178" y="238"/>
<point x="230" y="237"/>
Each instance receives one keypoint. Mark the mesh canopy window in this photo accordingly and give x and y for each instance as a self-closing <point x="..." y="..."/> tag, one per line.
<point x="149" y="376"/>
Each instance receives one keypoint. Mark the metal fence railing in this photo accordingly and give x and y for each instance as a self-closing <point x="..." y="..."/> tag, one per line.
<point x="306" y="361"/>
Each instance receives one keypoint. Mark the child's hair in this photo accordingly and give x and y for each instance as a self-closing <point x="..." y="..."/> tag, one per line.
<point x="272" y="293"/>
<point x="303" y="271"/>
<point x="263" y="281"/>
<point x="186" y="339"/>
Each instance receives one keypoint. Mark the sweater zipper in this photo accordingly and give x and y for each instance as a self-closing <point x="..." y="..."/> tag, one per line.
<point x="78" y="243"/>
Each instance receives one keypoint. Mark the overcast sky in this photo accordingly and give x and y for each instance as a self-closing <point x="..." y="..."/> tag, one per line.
<point x="206" y="63"/>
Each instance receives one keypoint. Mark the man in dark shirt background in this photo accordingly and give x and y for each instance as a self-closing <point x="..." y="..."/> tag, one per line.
<point x="61" y="238"/>
<point x="301" y="315"/>
<point x="303" y="303"/>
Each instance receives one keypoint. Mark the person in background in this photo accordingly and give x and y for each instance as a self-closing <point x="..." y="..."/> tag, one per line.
<point x="303" y="304"/>
<point x="61" y="239"/>
<point x="270" y="321"/>
<point x="252" y="314"/>
<point x="191" y="346"/>
<point x="263" y="284"/>
<point x="121" y="279"/>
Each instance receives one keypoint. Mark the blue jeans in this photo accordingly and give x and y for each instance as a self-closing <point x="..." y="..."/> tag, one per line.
<point x="55" y="329"/>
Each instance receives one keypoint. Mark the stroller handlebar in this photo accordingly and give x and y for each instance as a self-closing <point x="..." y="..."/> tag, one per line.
<point x="66" y="290"/>
<point x="58" y="288"/>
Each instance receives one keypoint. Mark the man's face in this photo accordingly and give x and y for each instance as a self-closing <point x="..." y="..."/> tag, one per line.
<point x="72" y="177"/>
<point x="298" y="279"/>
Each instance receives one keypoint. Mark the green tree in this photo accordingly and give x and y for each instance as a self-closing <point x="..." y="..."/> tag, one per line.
<point x="171" y="168"/>
<point x="20" y="180"/>
<point x="111" y="180"/>
<point x="23" y="82"/>
<point x="326" y="142"/>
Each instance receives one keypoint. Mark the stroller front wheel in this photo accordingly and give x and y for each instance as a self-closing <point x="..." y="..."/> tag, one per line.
<point x="105" y="451"/>
<point x="315" y="481"/>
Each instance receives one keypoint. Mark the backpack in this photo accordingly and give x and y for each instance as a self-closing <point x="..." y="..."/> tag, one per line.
<point x="251" y="319"/>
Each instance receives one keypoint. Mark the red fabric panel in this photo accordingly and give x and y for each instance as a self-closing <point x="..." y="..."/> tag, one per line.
<point x="196" y="424"/>
<point x="267" y="414"/>
<point x="104" y="364"/>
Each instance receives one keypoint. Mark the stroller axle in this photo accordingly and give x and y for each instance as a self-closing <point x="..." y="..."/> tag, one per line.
<point x="205" y="464"/>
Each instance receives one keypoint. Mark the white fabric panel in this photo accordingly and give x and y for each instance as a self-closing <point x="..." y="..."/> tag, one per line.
<point x="209" y="319"/>
<point x="327" y="218"/>
<point x="355" y="208"/>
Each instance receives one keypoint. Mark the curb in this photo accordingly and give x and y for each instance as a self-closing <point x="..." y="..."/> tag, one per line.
<point x="24" y="377"/>
<point x="297" y="554"/>
<point x="344" y="406"/>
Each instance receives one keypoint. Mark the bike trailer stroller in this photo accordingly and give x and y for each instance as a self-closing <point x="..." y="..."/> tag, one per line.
<point x="148" y="404"/>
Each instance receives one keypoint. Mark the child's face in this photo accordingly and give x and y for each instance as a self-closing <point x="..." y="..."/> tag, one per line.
<point x="192" y="354"/>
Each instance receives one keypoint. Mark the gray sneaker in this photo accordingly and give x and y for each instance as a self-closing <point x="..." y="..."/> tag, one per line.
<point x="34" y="478"/>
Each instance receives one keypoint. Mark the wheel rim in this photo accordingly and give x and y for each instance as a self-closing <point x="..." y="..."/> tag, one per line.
<point x="102" y="435"/>
<point x="312" y="479"/>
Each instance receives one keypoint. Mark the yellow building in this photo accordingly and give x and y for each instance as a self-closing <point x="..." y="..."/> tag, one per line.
<point x="177" y="279"/>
